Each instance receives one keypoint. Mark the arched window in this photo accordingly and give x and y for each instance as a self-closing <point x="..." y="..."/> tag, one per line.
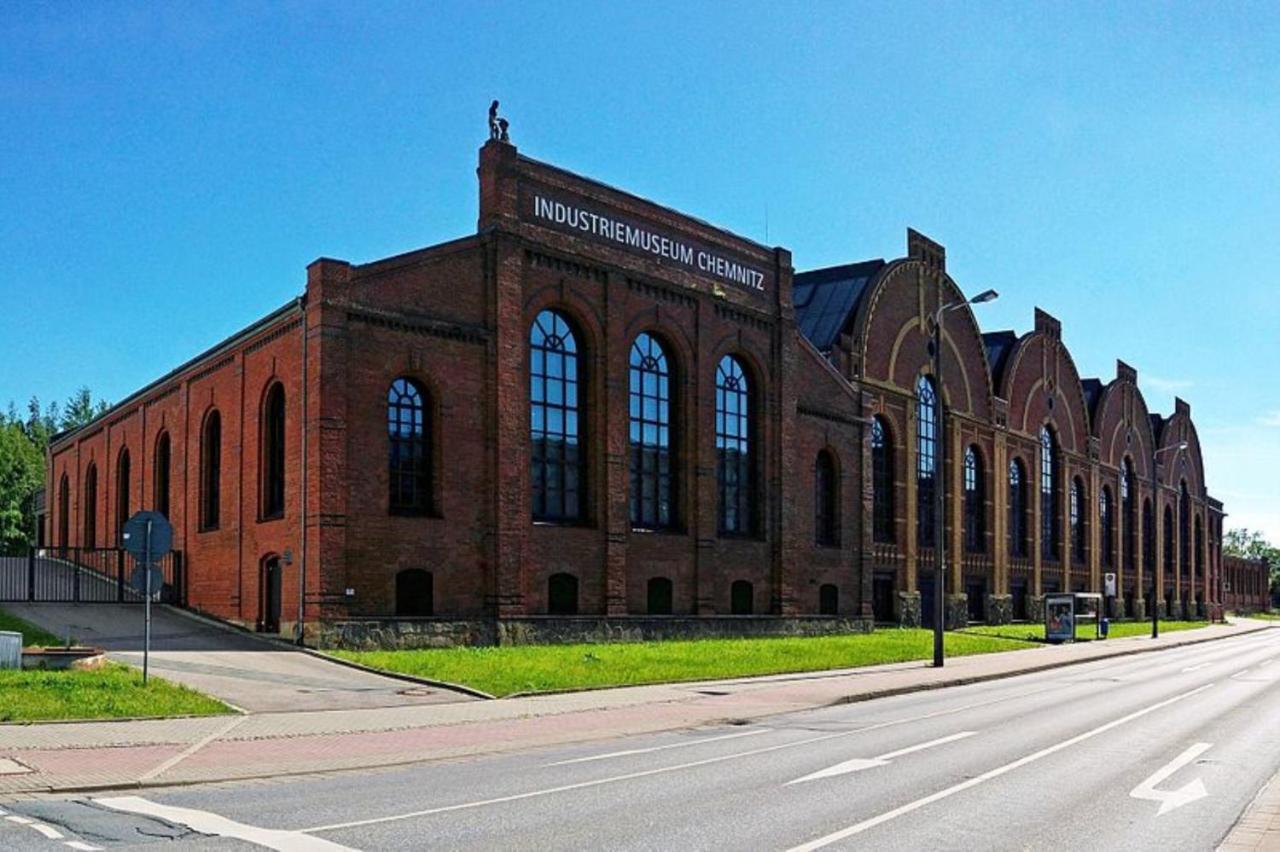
<point x="741" y="598"/>
<point x="90" y="507"/>
<point x="926" y="460"/>
<point x="122" y="494"/>
<point x="1168" y="540"/>
<point x="1148" y="537"/>
<point x="271" y="452"/>
<point x="1050" y="535"/>
<point x="160" y="476"/>
<point x="826" y="528"/>
<point x="1184" y="529"/>
<point x="64" y="512"/>
<point x="1128" y="516"/>
<point x="975" y="512"/>
<point x="734" y="448"/>
<point x="828" y="599"/>
<point x="409" y="448"/>
<point x="1017" y="509"/>
<point x="562" y="594"/>
<point x="652" y="485"/>
<point x="415" y="593"/>
<point x="1198" y="560"/>
<point x="211" y="471"/>
<point x="881" y="482"/>
<point x="660" y="596"/>
<point x="554" y="412"/>
<point x="1107" y="524"/>
<point x="1076" y="512"/>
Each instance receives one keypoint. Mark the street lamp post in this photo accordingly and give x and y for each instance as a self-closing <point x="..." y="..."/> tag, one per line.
<point x="1155" y="605"/>
<point x="939" y="485"/>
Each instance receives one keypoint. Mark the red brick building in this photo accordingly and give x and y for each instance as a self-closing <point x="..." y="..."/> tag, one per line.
<point x="1246" y="584"/>
<point x="598" y="406"/>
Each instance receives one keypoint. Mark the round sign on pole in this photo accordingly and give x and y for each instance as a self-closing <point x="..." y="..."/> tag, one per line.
<point x="135" y="536"/>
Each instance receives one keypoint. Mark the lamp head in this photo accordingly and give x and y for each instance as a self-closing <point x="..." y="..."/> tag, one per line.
<point x="984" y="296"/>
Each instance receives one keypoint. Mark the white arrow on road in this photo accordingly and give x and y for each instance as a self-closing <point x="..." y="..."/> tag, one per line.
<point x="1171" y="799"/>
<point x="860" y="763"/>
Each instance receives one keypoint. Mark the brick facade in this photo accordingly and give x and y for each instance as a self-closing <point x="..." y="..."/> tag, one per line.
<point x="1246" y="584"/>
<point x="455" y="319"/>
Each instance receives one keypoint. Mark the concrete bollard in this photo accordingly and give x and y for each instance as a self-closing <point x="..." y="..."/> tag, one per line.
<point x="10" y="650"/>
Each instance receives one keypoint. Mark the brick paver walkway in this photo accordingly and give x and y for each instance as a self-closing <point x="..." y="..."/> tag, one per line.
<point x="89" y="755"/>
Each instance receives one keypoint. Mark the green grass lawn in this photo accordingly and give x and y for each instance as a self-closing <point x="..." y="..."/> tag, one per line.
<point x="31" y="635"/>
<point x="112" y="692"/>
<point x="1119" y="629"/>
<point x="542" y="668"/>
<point x="1264" y="616"/>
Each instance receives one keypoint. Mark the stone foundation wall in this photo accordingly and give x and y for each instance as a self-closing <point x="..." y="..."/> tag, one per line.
<point x="1139" y="610"/>
<point x="908" y="609"/>
<point x="1035" y="609"/>
<point x="405" y="633"/>
<point x="999" y="609"/>
<point x="957" y="612"/>
<point x="1115" y="607"/>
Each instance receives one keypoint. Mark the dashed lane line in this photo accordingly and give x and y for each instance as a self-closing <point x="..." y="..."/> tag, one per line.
<point x="632" y="751"/>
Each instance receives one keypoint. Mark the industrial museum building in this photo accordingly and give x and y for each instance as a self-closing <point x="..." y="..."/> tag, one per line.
<point x="596" y="413"/>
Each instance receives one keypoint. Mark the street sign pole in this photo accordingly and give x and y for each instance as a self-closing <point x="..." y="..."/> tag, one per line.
<point x="146" y="642"/>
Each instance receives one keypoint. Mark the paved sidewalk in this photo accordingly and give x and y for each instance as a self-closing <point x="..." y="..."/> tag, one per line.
<point x="1259" y="829"/>
<point x="97" y="755"/>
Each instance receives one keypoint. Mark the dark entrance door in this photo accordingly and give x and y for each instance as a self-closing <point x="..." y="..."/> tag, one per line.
<point x="882" y="597"/>
<point x="927" y="604"/>
<point x="976" y="591"/>
<point x="271" y="595"/>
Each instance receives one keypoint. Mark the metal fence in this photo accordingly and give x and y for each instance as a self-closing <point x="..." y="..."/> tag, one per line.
<point x="85" y="575"/>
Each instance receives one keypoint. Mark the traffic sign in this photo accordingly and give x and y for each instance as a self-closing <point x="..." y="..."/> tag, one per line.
<point x="138" y="579"/>
<point x="136" y="538"/>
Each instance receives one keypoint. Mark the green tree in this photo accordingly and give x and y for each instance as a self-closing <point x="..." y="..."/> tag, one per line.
<point x="21" y="476"/>
<point x="80" y="409"/>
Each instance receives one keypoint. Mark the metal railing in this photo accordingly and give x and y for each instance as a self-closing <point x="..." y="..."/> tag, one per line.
<point x="85" y="575"/>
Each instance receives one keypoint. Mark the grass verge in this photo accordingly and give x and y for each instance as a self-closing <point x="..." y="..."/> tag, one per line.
<point x="31" y="635"/>
<point x="1084" y="632"/>
<point x="114" y="691"/>
<point x="543" y="668"/>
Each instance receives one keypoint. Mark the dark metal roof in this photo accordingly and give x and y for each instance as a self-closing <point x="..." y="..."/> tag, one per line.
<point x="998" y="345"/>
<point x="825" y="299"/>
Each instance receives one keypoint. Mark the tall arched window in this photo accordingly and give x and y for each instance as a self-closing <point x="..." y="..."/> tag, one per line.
<point x="826" y="526"/>
<point x="1128" y="516"/>
<point x="1198" y="560"/>
<point x="1107" y="527"/>
<point x="1148" y="537"/>
<point x="975" y="514"/>
<point x="408" y="449"/>
<point x="1168" y="540"/>
<point x="122" y="493"/>
<point x="1017" y="509"/>
<point x="1184" y="529"/>
<point x="1076" y="511"/>
<point x="1050" y="535"/>
<point x="734" y="448"/>
<point x="64" y="512"/>
<point x="926" y="460"/>
<point x="652" y="485"/>
<point x="271" y="451"/>
<point x="554" y="410"/>
<point x="160" y="476"/>
<point x="211" y="471"/>
<point x="881" y="482"/>
<point x="90" y="507"/>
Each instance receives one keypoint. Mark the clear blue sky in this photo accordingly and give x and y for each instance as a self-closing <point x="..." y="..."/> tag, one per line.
<point x="167" y="170"/>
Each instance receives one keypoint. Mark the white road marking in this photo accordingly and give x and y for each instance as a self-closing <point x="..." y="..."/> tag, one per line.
<point x="1266" y="662"/>
<point x="662" y="770"/>
<point x="866" y="824"/>
<point x="1170" y="799"/>
<point x="19" y="820"/>
<point x="190" y="750"/>
<point x="631" y="751"/>
<point x="857" y="764"/>
<point x="48" y="832"/>
<point x="206" y="822"/>
<point x="1241" y="672"/>
<point x="1196" y="667"/>
<point x="83" y="847"/>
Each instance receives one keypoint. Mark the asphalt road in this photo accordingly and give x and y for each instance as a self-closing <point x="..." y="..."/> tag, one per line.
<point x="1156" y="751"/>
